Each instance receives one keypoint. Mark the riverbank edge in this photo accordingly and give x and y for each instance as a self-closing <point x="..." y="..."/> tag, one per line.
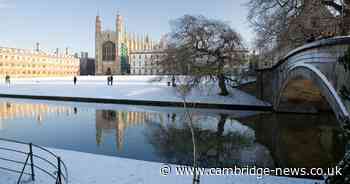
<point x="111" y="169"/>
<point x="144" y="102"/>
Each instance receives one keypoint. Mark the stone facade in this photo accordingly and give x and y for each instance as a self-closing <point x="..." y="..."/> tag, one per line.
<point x="146" y="62"/>
<point x="28" y="63"/>
<point x="87" y="65"/>
<point x="112" y="48"/>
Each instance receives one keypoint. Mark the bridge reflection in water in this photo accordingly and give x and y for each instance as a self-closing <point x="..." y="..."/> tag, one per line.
<point x="299" y="140"/>
<point x="223" y="140"/>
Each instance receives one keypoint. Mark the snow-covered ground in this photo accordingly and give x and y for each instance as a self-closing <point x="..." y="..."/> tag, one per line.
<point x="125" y="87"/>
<point x="84" y="168"/>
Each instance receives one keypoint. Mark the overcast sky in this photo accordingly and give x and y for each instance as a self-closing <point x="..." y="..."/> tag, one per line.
<point x="71" y="23"/>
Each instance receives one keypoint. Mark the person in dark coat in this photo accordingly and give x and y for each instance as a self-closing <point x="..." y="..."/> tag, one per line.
<point x="108" y="80"/>
<point x="75" y="80"/>
<point x="7" y="79"/>
<point x="111" y="79"/>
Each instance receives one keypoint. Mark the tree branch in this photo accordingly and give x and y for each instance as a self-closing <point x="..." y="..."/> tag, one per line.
<point x="334" y="5"/>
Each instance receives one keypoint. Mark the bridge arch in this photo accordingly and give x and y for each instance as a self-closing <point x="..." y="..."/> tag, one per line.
<point x="302" y="71"/>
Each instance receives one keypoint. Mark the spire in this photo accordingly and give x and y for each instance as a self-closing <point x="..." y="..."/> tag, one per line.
<point x="98" y="24"/>
<point x="119" y="23"/>
<point x="147" y="38"/>
<point x="126" y="39"/>
<point x="142" y="42"/>
<point x="134" y="41"/>
<point x="138" y="42"/>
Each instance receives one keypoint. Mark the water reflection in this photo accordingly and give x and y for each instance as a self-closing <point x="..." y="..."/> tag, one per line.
<point x="38" y="112"/>
<point x="220" y="142"/>
<point x="107" y="120"/>
<point x="162" y="135"/>
<point x="296" y="140"/>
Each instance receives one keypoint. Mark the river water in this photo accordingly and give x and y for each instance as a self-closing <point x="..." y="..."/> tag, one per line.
<point x="160" y="134"/>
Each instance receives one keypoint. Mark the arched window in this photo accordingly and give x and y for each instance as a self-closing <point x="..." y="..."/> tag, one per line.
<point x="108" y="51"/>
<point x="109" y="71"/>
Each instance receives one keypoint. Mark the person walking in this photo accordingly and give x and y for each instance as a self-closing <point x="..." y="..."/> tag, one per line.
<point x="108" y="80"/>
<point x="111" y="79"/>
<point x="173" y="81"/>
<point x="75" y="80"/>
<point x="7" y="80"/>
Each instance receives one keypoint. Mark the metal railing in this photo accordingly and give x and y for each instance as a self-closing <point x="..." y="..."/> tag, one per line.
<point x="37" y="158"/>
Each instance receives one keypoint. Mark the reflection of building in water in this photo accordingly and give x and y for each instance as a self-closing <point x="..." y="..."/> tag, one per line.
<point x="108" y="120"/>
<point x="37" y="111"/>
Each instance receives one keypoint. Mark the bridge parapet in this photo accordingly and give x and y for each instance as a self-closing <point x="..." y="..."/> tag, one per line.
<point x="316" y="62"/>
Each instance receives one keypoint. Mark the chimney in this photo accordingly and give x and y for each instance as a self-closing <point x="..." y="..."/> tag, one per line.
<point x="37" y="47"/>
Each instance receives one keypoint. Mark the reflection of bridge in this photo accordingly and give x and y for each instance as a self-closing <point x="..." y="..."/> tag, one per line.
<point x="286" y="134"/>
<point x="307" y="79"/>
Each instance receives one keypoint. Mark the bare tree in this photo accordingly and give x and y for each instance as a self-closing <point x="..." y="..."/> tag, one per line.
<point x="288" y="23"/>
<point x="203" y="49"/>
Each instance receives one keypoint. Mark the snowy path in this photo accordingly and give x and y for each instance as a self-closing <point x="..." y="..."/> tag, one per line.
<point x="87" y="168"/>
<point x="125" y="88"/>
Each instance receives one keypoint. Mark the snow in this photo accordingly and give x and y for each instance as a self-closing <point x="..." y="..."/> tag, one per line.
<point x="85" y="168"/>
<point x="125" y="88"/>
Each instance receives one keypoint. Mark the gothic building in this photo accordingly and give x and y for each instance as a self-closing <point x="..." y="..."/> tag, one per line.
<point x="112" y="48"/>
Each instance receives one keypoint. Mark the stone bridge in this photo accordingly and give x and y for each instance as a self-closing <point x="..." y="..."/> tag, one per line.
<point x="308" y="79"/>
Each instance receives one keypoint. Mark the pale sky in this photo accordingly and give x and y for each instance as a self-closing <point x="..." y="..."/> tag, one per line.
<point x="71" y="23"/>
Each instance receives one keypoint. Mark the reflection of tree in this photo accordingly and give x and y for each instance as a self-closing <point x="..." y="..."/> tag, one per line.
<point x="98" y="136"/>
<point x="221" y="124"/>
<point x="345" y="88"/>
<point x="214" y="147"/>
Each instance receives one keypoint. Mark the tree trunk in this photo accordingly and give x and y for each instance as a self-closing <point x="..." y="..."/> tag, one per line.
<point x="221" y="125"/>
<point x="222" y="85"/>
<point x="345" y="24"/>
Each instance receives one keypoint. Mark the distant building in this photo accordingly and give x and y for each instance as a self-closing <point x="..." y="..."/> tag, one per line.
<point x="36" y="63"/>
<point x="113" y="47"/>
<point x="87" y="65"/>
<point x="146" y="62"/>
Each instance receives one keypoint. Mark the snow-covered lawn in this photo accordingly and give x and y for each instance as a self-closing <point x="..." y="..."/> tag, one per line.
<point x="125" y="87"/>
<point x="87" y="168"/>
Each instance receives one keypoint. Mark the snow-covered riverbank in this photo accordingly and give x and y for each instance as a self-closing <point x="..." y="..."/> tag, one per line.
<point x="85" y="168"/>
<point x="124" y="88"/>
